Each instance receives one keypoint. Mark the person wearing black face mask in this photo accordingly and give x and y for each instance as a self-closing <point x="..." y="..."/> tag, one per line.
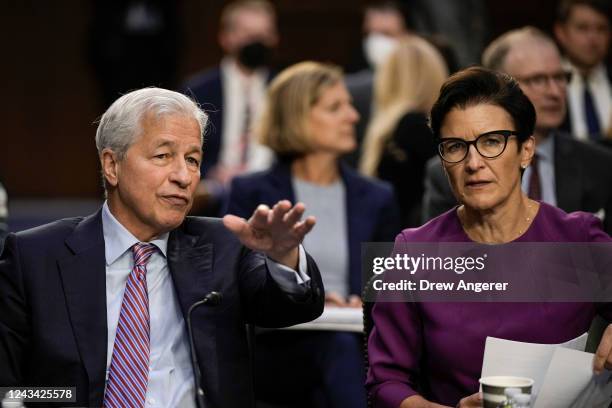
<point x="254" y="55"/>
<point x="232" y="93"/>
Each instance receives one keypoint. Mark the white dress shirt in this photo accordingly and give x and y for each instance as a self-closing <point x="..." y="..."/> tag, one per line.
<point x="239" y="91"/>
<point x="171" y="381"/>
<point x="601" y="90"/>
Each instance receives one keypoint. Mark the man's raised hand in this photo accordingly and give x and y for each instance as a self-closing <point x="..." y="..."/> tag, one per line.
<point x="276" y="231"/>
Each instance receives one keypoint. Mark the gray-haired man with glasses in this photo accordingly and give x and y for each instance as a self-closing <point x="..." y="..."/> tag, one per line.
<point x="541" y="81"/>
<point x="570" y="174"/>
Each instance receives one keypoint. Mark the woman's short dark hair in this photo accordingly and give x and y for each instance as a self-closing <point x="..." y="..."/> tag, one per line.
<point x="477" y="85"/>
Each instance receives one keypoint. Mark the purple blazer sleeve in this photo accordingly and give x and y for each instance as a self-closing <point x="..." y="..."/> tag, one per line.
<point x="394" y="346"/>
<point x="405" y="336"/>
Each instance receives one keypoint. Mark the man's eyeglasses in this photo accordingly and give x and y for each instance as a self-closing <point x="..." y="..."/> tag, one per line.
<point x="540" y="81"/>
<point x="489" y="145"/>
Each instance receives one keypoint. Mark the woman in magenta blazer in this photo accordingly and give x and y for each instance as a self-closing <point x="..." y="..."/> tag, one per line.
<point x="425" y="354"/>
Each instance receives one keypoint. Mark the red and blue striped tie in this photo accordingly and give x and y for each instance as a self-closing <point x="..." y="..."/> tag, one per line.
<point x="129" y="369"/>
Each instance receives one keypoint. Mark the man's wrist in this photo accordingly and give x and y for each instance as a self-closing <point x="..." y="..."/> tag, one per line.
<point x="290" y="259"/>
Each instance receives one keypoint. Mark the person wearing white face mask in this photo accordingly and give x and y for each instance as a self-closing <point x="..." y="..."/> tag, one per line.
<point x="383" y="24"/>
<point x="377" y="47"/>
<point x="398" y="140"/>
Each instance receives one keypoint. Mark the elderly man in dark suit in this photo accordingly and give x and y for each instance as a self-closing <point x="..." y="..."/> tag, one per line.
<point x="100" y="303"/>
<point x="568" y="173"/>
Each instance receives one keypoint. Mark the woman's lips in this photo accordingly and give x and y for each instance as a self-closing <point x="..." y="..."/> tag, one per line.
<point x="477" y="184"/>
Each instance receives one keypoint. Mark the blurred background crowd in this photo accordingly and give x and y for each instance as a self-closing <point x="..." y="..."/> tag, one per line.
<point x="354" y="144"/>
<point x="64" y="62"/>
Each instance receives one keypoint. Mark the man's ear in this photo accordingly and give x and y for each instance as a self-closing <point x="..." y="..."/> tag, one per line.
<point x="110" y="167"/>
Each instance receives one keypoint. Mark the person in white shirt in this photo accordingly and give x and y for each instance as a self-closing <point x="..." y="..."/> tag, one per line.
<point x="232" y="94"/>
<point x="583" y="31"/>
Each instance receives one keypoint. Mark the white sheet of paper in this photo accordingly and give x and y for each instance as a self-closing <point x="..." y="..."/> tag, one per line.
<point x="348" y="319"/>
<point x="563" y="373"/>
<point x="506" y="357"/>
<point x="342" y="315"/>
<point x="569" y="372"/>
<point x="597" y="394"/>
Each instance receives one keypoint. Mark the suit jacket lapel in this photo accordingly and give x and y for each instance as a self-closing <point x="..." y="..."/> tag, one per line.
<point x="357" y="217"/>
<point x="84" y="278"/>
<point x="190" y="261"/>
<point x="568" y="175"/>
<point x="280" y="175"/>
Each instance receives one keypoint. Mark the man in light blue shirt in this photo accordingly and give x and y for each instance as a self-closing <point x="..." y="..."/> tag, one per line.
<point x="101" y="303"/>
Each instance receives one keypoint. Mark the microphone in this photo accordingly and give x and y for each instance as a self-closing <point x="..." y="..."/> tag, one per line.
<point x="212" y="299"/>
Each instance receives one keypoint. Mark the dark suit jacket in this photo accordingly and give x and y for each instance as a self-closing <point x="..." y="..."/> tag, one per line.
<point x="372" y="213"/>
<point x="53" y="324"/>
<point x="583" y="178"/>
<point x="402" y="163"/>
<point x="566" y="126"/>
<point x="207" y="89"/>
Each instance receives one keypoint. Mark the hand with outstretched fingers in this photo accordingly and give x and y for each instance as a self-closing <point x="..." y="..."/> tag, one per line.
<point x="276" y="231"/>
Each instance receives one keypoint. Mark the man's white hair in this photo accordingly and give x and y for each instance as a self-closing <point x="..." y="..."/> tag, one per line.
<point x="122" y="122"/>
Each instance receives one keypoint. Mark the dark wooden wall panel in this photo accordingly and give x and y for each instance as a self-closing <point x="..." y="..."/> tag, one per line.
<point x="49" y="101"/>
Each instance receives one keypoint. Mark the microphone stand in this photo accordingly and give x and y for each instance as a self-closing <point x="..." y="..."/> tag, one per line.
<point x="212" y="299"/>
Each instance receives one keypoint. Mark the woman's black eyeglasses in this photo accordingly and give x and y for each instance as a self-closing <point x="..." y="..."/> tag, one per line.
<point x="489" y="145"/>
